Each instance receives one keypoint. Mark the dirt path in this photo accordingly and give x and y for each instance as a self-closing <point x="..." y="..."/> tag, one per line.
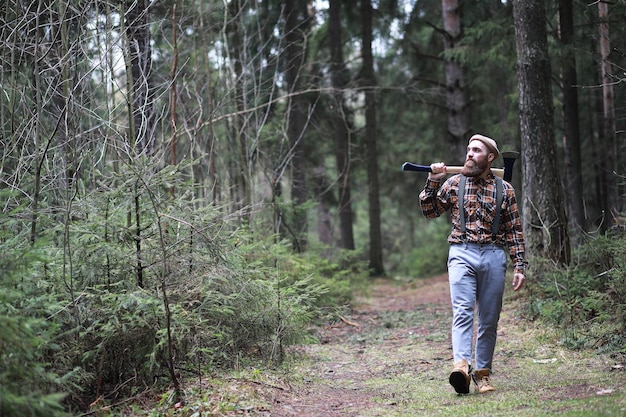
<point x="392" y="355"/>
<point x="372" y="344"/>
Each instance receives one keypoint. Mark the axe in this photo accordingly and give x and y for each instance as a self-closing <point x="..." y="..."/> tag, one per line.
<point x="505" y="173"/>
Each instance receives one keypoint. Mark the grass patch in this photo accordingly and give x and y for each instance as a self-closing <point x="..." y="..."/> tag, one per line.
<point x="534" y="376"/>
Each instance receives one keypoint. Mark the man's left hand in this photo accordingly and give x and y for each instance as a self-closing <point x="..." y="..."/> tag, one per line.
<point x="518" y="281"/>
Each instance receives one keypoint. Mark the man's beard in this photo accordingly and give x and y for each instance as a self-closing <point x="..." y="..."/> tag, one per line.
<point x="474" y="168"/>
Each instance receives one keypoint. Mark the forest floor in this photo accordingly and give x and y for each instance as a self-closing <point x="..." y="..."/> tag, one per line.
<point x="392" y="356"/>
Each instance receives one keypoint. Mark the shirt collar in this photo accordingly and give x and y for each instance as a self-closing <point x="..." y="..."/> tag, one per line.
<point x="489" y="179"/>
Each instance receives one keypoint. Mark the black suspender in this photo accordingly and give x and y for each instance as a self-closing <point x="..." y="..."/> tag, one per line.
<point x="461" y="203"/>
<point x="499" y="197"/>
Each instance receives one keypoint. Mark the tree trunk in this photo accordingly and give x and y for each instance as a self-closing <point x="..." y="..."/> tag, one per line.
<point x="240" y="166"/>
<point x="571" y="136"/>
<point x="207" y="170"/>
<point x="65" y="96"/>
<point x="325" y="200"/>
<point x="544" y="221"/>
<point x="340" y="122"/>
<point x="596" y="133"/>
<point x="139" y="61"/>
<point x="369" y="81"/>
<point x="294" y="59"/>
<point x="138" y="237"/>
<point x="610" y="156"/>
<point x="174" y="91"/>
<point x="457" y="96"/>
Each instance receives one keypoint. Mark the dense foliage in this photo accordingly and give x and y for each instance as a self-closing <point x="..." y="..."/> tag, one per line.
<point x="587" y="300"/>
<point x="76" y="325"/>
<point x="29" y="380"/>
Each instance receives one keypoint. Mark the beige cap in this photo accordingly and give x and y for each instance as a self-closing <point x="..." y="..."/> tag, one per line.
<point x="489" y="143"/>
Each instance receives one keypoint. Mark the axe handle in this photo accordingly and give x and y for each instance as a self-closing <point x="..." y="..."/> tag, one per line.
<point x="409" y="166"/>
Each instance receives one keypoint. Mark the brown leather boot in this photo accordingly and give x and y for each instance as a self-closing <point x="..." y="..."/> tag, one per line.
<point x="483" y="380"/>
<point x="460" y="377"/>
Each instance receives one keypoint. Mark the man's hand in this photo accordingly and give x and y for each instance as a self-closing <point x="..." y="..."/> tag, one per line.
<point x="439" y="171"/>
<point x="518" y="281"/>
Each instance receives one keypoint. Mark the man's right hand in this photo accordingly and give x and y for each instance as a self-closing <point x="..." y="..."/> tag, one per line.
<point x="439" y="171"/>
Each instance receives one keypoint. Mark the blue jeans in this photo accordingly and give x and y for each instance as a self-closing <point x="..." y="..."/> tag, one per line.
<point x="477" y="276"/>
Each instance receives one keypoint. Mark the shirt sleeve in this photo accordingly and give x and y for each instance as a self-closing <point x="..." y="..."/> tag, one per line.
<point x="514" y="236"/>
<point x="432" y="199"/>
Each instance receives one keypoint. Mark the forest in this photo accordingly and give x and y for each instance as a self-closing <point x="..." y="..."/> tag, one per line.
<point x="188" y="185"/>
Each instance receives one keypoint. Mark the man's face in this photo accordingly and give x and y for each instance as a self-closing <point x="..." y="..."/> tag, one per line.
<point x="477" y="159"/>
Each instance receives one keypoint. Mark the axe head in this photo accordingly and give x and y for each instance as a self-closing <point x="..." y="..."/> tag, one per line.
<point x="509" y="160"/>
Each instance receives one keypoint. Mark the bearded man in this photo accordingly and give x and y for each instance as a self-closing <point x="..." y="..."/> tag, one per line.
<point x="485" y="223"/>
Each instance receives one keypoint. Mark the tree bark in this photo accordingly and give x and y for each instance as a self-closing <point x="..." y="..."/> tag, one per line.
<point x="139" y="54"/>
<point x="340" y="121"/>
<point x="174" y="91"/>
<point x="457" y="96"/>
<point x="325" y="200"/>
<point x="544" y="220"/>
<point x="571" y="136"/>
<point x="205" y="173"/>
<point x="241" y="164"/>
<point x="294" y="61"/>
<point x="375" y="234"/>
<point x="37" y="83"/>
<point x="610" y="206"/>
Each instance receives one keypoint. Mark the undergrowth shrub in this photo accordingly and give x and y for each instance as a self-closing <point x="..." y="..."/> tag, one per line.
<point x="29" y="385"/>
<point x="587" y="301"/>
<point x="135" y="287"/>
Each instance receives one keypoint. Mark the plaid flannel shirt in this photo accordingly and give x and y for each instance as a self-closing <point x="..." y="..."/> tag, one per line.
<point x="480" y="201"/>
